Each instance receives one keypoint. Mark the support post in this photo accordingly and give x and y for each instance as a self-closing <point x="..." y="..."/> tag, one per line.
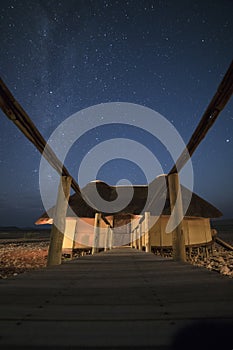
<point x="110" y="238"/>
<point x="140" y="237"/>
<point x="59" y="222"/>
<point x="136" y="238"/>
<point x="95" y="248"/>
<point x="69" y="237"/>
<point x="143" y="235"/>
<point x="131" y="242"/>
<point x="147" y="232"/>
<point x="106" y="238"/>
<point x="178" y="239"/>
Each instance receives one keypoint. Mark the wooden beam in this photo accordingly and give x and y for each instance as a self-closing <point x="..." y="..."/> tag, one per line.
<point x="95" y="247"/>
<point x="131" y="239"/>
<point x="136" y="237"/>
<point x="69" y="236"/>
<point x="178" y="239"/>
<point x="142" y="223"/>
<point x="218" y="102"/>
<point x="140" y="236"/>
<point x="106" y="220"/>
<point x="223" y="243"/>
<point x="59" y="222"/>
<point x="15" y="112"/>
<point x="147" y="232"/>
<point x="110" y="238"/>
<point x="106" y="238"/>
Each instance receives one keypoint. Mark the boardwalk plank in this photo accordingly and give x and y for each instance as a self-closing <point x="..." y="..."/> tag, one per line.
<point x="120" y="299"/>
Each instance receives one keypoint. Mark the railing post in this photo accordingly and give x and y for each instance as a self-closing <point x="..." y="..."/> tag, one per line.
<point x="69" y="237"/>
<point x="178" y="239"/>
<point x="140" y="237"/>
<point x="59" y="222"/>
<point x="110" y="238"/>
<point x="143" y="235"/>
<point x="147" y="232"/>
<point x="95" y="247"/>
<point x="131" y="239"/>
<point x="106" y="238"/>
<point x="135" y="239"/>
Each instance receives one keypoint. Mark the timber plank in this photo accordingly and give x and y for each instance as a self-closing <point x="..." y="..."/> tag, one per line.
<point x="118" y="299"/>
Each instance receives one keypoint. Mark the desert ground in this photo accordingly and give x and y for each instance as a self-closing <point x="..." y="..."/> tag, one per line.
<point x="26" y="250"/>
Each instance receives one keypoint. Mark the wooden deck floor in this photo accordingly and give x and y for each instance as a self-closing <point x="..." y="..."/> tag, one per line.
<point x="121" y="299"/>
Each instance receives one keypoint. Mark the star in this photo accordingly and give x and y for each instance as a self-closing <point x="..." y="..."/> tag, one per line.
<point x="168" y="57"/>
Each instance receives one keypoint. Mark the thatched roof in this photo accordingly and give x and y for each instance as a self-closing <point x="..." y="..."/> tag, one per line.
<point x="145" y="198"/>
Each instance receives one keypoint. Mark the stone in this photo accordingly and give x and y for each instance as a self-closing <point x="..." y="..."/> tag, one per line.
<point x="221" y="259"/>
<point x="225" y="270"/>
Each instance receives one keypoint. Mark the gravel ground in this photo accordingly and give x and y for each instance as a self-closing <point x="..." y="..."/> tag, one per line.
<point x="220" y="261"/>
<point x="20" y="256"/>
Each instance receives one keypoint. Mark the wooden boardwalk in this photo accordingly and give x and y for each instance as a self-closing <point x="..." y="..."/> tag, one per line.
<point x="121" y="299"/>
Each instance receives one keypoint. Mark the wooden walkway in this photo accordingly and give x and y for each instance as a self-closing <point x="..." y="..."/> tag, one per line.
<point x="121" y="299"/>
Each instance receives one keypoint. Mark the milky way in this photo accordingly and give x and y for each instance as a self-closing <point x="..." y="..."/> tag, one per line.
<point x="58" y="57"/>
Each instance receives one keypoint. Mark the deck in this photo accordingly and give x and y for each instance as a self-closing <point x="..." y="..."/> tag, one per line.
<point x="120" y="299"/>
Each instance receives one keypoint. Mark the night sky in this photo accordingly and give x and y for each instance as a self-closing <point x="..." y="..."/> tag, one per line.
<point x="58" y="57"/>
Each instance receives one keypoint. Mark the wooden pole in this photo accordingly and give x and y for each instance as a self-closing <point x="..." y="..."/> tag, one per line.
<point x="140" y="237"/>
<point x="147" y="232"/>
<point x="131" y="243"/>
<point x="218" y="102"/>
<point x="59" y="222"/>
<point x="107" y="231"/>
<point x="110" y="238"/>
<point x="178" y="239"/>
<point x="95" y="248"/>
<point x="131" y="238"/>
<point x="20" y="118"/>
<point x="69" y="237"/>
<point x="135" y="238"/>
<point x="143" y="235"/>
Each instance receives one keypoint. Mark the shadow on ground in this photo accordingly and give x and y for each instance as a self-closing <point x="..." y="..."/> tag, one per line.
<point x="205" y="335"/>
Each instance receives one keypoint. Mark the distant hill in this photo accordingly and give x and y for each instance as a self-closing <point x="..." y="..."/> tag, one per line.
<point x="24" y="229"/>
<point x="224" y="229"/>
<point x="9" y="228"/>
<point x="15" y="233"/>
<point x="224" y="222"/>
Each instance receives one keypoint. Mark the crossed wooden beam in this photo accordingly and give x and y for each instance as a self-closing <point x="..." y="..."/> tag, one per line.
<point x="20" y="118"/>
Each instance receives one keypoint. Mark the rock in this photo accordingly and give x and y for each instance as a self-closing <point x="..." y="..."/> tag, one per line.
<point x="220" y="259"/>
<point x="225" y="270"/>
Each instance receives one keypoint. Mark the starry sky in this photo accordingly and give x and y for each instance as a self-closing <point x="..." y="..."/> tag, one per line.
<point x="58" y="57"/>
